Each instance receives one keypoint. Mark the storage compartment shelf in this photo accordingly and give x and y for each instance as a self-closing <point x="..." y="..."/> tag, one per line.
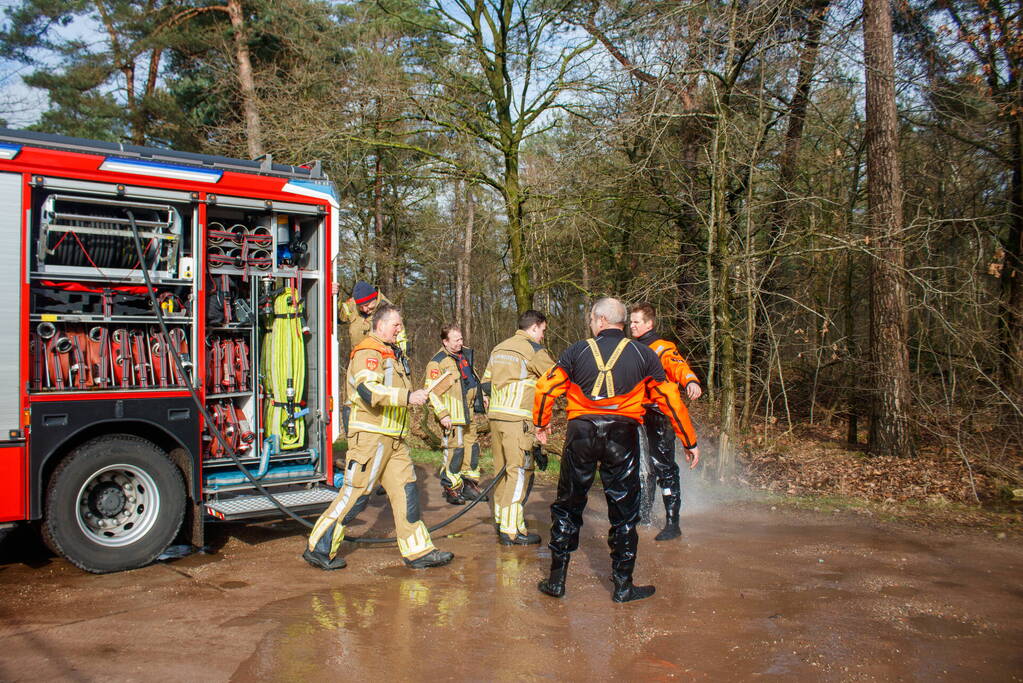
<point x="210" y="396"/>
<point x="311" y="479"/>
<point x="112" y="319"/>
<point x="302" y="455"/>
<point x="91" y="276"/>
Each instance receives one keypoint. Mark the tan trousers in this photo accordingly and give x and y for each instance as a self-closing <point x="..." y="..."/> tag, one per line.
<point x="372" y="459"/>
<point x="461" y="456"/>
<point x="512" y="444"/>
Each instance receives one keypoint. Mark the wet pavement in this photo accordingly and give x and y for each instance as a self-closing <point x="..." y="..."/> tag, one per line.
<point x="748" y="592"/>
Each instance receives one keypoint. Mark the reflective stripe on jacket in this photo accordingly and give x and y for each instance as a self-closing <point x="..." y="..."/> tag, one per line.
<point x="457" y="401"/>
<point x="378" y="387"/>
<point x="510" y="378"/>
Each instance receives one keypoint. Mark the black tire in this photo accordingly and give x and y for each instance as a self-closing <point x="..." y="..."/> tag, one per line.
<point x="114" y="503"/>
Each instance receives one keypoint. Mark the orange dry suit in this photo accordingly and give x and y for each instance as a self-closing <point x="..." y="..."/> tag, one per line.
<point x="659" y="433"/>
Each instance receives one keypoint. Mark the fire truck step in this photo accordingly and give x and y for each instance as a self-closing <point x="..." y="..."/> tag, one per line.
<point x="305" y="502"/>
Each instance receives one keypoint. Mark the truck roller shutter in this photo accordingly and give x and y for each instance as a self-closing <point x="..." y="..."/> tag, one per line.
<point x="10" y="305"/>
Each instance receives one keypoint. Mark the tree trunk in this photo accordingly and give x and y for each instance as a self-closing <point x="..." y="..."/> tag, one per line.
<point x="514" y="202"/>
<point x="253" y="127"/>
<point x="456" y="216"/>
<point x="1012" y="274"/>
<point x="889" y="320"/>
<point x="465" y="314"/>
<point x="797" y="109"/>
<point x="853" y="383"/>
<point x="780" y="210"/>
<point x="382" y="247"/>
<point x="720" y="257"/>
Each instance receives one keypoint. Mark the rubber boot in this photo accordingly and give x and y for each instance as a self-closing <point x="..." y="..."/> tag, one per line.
<point x="434" y="558"/>
<point x="472" y="490"/>
<point x="626" y="592"/>
<point x="454" y="496"/>
<point x="554" y="586"/>
<point x="321" y="561"/>
<point x="672" y="504"/>
<point x="518" y="539"/>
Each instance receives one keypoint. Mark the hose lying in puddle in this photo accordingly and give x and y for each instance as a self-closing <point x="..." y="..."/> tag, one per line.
<point x="483" y="496"/>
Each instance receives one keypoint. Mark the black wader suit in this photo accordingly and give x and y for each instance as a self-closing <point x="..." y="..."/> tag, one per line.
<point x="607" y="381"/>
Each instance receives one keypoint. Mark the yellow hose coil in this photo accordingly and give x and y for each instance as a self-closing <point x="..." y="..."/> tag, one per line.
<point x="284" y="369"/>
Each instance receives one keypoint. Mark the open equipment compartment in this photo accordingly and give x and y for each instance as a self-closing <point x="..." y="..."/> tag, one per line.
<point x="263" y="360"/>
<point x="92" y="324"/>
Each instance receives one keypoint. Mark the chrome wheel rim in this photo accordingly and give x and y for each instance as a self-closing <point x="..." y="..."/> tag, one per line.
<point x="117" y="505"/>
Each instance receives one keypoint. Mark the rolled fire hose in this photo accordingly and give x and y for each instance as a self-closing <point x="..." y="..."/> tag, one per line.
<point x="260" y="259"/>
<point x="284" y="369"/>
<point x="214" y="232"/>
<point x="260" y="235"/>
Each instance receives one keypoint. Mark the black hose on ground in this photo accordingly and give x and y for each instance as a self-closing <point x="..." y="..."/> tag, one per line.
<point x="219" y="436"/>
<point x="435" y="527"/>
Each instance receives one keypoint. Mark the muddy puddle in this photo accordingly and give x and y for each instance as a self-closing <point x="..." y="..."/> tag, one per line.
<point x="748" y="592"/>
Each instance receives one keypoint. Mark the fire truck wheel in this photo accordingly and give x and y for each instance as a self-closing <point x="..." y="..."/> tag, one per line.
<point x="116" y="502"/>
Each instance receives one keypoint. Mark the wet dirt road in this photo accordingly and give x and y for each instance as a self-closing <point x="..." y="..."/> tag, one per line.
<point x="749" y="592"/>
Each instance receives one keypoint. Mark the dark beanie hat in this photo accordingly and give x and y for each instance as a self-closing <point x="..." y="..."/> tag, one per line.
<point x="363" y="293"/>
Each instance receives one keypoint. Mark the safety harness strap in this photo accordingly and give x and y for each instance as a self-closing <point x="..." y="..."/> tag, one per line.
<point x="604" y="369"/>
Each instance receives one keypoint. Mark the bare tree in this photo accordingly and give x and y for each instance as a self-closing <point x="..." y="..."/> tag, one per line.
<point x="889" y="321"/>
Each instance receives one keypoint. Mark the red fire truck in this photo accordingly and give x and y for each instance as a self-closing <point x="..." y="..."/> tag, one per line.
<point x="167" y="343"/>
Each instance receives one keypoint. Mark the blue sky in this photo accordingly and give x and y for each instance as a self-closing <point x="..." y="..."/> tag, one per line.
<point x="19" y="104"/>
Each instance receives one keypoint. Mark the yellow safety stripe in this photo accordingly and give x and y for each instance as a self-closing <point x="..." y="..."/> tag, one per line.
<point x="604" y="369"/>
<point x="508" y="399"/>
<point x="390" y="393"/>
<point x="365" y="376"/>
<point x="394" y="421"/>
<point x="418" y="543"/>
<point x="436" y="403"/>
<point x="510" y="519"/>
<point x="455" y="407"/>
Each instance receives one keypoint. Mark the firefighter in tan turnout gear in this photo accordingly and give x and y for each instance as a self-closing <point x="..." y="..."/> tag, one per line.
<point x="454" y="396"/>
<point x="510" y="380"/>
<point x="381" y="393"/>
<point x="357" y="311"/>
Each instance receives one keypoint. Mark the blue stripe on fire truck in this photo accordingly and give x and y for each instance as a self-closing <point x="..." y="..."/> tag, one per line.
<point x="9" y="151"/>
<point x="154" y="168"/>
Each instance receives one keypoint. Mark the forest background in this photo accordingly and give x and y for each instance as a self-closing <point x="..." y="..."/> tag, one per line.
<point x="822" y="198"/>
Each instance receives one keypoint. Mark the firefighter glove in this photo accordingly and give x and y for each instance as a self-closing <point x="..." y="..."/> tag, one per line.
<point x="540" y="458"/>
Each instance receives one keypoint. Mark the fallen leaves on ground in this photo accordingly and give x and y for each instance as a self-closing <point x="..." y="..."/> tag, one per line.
<point x="814" y="461"/>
